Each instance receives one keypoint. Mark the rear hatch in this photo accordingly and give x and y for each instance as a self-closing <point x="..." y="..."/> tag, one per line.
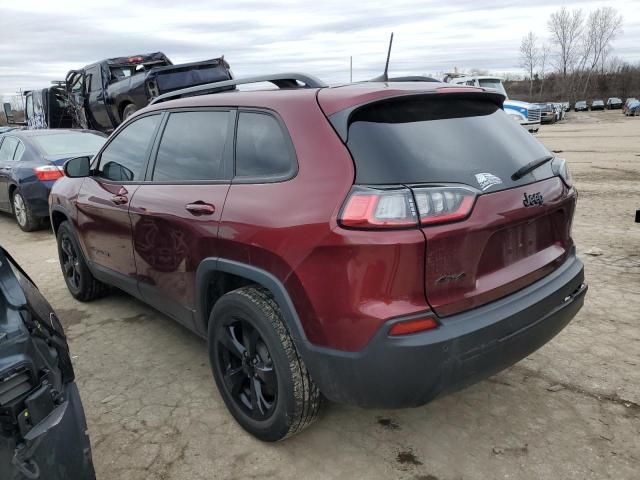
<point x="458" y="152"/>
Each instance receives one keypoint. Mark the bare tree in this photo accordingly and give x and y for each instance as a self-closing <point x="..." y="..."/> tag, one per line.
<point x="603" y="25"/>
<point x="529" y="57"/>
<point x="566" y="27"/>
<point x="544" y="63"/>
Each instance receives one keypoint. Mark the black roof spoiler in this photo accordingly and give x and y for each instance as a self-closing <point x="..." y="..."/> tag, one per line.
<point x="280" y="80"/>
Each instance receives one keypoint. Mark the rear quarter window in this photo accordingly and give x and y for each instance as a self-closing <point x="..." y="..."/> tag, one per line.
<point x="263" y="148"/>
<point x="440" y="139"/>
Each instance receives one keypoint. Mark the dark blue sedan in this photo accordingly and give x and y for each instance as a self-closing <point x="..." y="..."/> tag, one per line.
<point x="31" y="161"/>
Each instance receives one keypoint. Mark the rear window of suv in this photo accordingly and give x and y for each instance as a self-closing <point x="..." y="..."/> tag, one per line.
<point x="440" y="139"/>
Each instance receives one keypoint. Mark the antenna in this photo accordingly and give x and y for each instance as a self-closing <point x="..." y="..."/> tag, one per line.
<point x="385" y="76"/>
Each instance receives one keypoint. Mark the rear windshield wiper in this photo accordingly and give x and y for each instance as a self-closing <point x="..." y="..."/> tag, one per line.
<point x="531" y="166"/>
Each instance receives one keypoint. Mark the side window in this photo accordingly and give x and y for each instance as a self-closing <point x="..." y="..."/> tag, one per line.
<point x="262" y="147"/>
<point x="17" y="155"/>
<point x="125" y="158"/>
<point x="8" y="148"/>
<point x="192" y="146"/>
<point x="96" y="83"/>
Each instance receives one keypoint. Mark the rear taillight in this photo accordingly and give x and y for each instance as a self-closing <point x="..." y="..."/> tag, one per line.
<point x="560" y="168"/>
<point x="401" y="207"/>
<point x="48" y="173"/>
<point x="443" y="204"/>
<point x="372" y="207"/>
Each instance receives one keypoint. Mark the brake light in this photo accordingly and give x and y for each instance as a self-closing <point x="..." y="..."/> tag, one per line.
<point x="560" y="168"/>
<point x="48" y="173"/>
<point x="371" y="207"/>
<point x="137" y="59"/>
<point x="443" y="204"/>
<point x="395" y="207"/>
<point x="408" y="327"/>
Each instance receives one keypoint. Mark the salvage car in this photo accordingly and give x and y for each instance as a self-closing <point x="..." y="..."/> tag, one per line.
<point x="614" y="103"/>
<point x="627" y="104"/>
<point x="377" y="244"/>
<point x="581" y="106"/>
<point x="30" y="162"/>
<point x="42" y="421"/>
<point x="548" y="112"/>
<point x="632" y="109"/>
<point x="105" y="93"/>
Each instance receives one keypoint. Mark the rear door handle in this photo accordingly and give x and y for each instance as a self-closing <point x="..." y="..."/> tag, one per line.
<point x="200" y="208"/>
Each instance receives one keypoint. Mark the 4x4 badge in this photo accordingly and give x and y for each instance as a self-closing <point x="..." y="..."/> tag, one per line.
<point x="531" y="200"/>
<point x="486" y="180"/>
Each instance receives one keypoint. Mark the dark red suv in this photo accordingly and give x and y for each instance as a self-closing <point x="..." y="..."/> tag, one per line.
<point x="377" y="244"/>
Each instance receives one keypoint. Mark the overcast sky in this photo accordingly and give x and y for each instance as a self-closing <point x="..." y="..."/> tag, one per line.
<point x="43" y="39"/>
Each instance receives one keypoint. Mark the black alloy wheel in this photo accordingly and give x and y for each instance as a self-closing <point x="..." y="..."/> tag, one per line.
<point x="70" y="262"/>
<point x="247" y="367"/>
<point x="260" y="376"/>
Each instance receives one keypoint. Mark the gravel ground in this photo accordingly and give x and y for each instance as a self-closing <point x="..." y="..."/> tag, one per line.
<point x="571" y="410"/>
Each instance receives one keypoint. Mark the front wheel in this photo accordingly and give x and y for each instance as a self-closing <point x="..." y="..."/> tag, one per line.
<point x="80" y="282"/>
<point x="258" y="371"/>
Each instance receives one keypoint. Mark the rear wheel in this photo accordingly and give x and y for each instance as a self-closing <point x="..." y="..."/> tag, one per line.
<point x="23" y="214"/>
<point x="129" y="110"/>
<point x="80" y="282"/>
<point x="260" y="376"/>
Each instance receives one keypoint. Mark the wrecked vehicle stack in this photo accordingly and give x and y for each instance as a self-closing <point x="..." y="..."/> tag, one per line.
<point x="103" y="94"/>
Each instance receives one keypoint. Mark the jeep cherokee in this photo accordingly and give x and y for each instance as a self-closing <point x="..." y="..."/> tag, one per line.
<point x="377" y="244"/>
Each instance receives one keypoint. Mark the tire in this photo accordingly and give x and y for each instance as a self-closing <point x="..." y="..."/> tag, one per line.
<point x="23" y="214"/>
<point x="80" y="282"/>
<point x="258" y="371"/>
<point x="129" y="110"/>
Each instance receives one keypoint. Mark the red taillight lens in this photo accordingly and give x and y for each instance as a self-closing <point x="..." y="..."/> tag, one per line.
<point x="443" y="204"/>
<point x="370" y="207"/>
<point x="48" y="173"/>
<point x="137" y="59"/>
<point x="413" y="326"/>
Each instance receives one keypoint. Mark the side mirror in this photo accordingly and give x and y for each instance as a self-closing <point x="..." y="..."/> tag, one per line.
<point x="77" y="167"/>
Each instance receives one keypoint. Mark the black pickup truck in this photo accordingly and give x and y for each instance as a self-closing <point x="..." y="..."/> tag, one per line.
<point x="102" y="95"/>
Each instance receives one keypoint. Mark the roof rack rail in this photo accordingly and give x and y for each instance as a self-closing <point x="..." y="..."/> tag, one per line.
<point x="280" y="80"/>
<point x="413" y="78"/>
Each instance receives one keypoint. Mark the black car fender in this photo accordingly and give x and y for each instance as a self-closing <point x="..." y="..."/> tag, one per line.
<point x="209" y="267"/>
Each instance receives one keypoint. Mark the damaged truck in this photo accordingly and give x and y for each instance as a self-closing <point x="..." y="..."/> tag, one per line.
<point x="102" y="95"/>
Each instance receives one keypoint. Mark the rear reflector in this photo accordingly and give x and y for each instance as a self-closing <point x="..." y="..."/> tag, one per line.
<point x="48" y="173"/>
<point x="413" y="326"/>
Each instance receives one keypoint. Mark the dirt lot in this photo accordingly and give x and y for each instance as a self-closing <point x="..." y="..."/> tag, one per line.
<point x="569" y="411"/>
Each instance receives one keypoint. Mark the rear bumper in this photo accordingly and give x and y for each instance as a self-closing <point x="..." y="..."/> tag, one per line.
<point x="408" y="371"/>
<point x="36" y="194"/>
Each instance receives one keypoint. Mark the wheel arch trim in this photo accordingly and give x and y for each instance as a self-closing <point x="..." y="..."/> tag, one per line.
<point x="212" y="265"/>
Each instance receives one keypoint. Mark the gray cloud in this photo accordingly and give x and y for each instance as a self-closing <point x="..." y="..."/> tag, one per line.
<point x="42" y="41"/>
